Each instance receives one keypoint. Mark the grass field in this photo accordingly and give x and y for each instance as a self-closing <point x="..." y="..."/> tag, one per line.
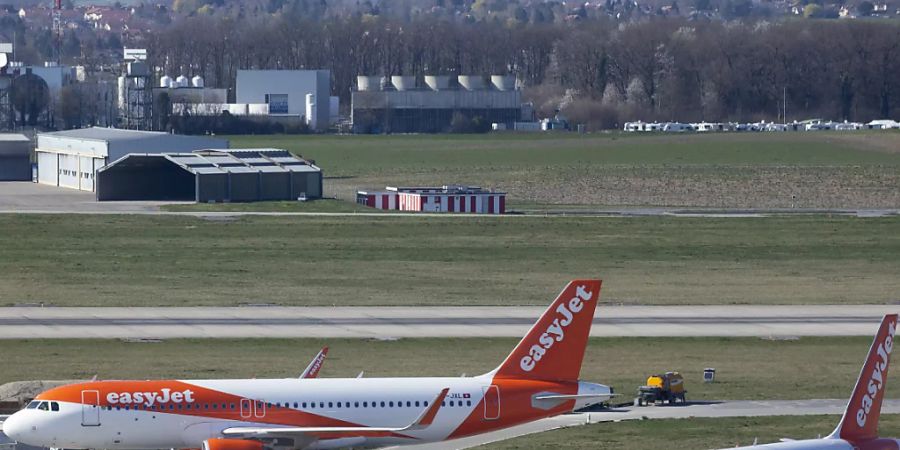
<point x="747" y="368"/>
<point x="459" y="260"/>
<point x="695" y="433"/>
<point x="816" y="170"/>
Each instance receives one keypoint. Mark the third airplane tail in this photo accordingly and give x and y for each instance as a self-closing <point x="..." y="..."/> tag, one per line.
<point x="554" y="347"/>
<point x="860" y="420"/>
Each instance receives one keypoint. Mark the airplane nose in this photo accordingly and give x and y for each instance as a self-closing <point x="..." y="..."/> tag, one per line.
<point x="14" y="427"/>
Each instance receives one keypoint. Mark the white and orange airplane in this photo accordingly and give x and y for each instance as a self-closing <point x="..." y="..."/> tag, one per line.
<point x="538" y="379"/>
<point x="858" y="429"/>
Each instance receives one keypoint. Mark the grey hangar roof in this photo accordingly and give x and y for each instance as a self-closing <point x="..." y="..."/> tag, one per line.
<point x="210" y="175"/>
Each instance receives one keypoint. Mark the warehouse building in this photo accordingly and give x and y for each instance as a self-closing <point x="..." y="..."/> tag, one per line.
<point x="437" y="104"/>
<point x="211" y="176"/>
<point x="71" y="158"/>
<point x="459" y="199"/>
<point x="15" y="157"/>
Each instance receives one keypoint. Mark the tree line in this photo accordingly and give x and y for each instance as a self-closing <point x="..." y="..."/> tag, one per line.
<point x="597" y="72"/>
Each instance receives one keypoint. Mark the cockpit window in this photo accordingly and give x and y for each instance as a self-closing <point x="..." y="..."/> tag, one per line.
<point x="54" y="406"/>
<point x="44" y="406"/>
<point x="33" y="405"/>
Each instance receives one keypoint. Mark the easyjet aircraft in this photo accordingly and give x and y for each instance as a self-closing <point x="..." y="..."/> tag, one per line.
<point x="858" y="429"/>
<point x="538" y="379"/>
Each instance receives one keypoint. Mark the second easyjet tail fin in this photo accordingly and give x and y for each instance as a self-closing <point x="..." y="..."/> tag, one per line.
<point x="554" y="347"/>
<point x="860" y="420"/>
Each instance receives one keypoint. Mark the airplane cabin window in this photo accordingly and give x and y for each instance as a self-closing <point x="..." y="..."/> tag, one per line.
<point x="356" y="404"/>
<point x="408" y="404"/>
<point x="382" y="404"/>
<point x="304" y="405"/>
<point x="468" y="402"/>
<point x="417" y="403"/>
<point x="321" y="404"/>
<point x="296" y="405"/>
<point x="426" y="403"/>
<point x="232" y="406"/>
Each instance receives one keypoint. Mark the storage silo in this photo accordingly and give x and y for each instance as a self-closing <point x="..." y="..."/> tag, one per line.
<point x="403" y="83"/>
<point x="368" y="83"/>
<point x="197" y="81"/>
<point x="437" y="82"/>
<point x="503" y="82"/>
<point x="181" y="81"/>
<point x="165" y="81"/>
<point x="471" y="82"/>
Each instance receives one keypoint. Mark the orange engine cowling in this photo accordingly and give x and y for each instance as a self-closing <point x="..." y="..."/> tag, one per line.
<point x="231" y="444"/>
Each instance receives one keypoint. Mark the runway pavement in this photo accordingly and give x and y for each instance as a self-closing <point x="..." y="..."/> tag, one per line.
<point x="405" y="322"/>
<point x="724" y="409"/>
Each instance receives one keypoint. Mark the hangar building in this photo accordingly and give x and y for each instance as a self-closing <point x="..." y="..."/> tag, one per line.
<point x="15" y="157"/>
<point x="210" y="176"/>
<point x="71" y="158"/>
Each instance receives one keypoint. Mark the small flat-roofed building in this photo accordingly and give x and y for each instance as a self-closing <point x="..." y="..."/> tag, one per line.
<point x="210" y="176"/>
<point x="453" y="198"/>
<point x="71" y="158"/>
<point x="15" y="157"/>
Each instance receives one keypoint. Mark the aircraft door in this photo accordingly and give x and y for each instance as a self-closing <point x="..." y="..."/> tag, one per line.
<point x="491" y="402"/>
<point x="246" y="408"/>
<point x="90" y="408"/>
<point x="260" y="409"/>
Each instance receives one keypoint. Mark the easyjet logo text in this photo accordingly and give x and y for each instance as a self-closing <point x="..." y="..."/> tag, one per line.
<point x="556" y="331"/>
<point x="876" y="379"/>
<point x="150" y="398"/>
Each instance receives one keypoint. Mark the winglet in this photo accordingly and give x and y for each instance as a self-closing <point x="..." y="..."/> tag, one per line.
<point x="312" y="370"/>
<point x="860" y="420"/>
<point x="427" y="416"/>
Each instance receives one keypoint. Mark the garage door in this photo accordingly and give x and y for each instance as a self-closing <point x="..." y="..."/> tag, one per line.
<point x="48" y="169"/>
<point x="68" y="171"/>
<point x="86" y="173"/>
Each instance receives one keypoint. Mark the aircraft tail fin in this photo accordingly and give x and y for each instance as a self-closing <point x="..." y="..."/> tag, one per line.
<point x="554" y="347"/>
<point x="860" y="420"/>
<point x="312" y="370"/>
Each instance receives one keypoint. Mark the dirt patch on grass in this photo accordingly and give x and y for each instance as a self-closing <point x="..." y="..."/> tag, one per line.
<point x="887" y="141"/>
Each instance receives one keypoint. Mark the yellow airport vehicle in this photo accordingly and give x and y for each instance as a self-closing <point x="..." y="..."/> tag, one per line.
<point x="667" y="388"/>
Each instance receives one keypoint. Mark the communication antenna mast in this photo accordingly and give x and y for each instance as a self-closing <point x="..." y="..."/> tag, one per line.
<point x="57" y="29"/>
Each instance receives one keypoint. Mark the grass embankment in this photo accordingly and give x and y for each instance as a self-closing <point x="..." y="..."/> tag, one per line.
<point x="181" y="261"/>
<point x="693" y="433"/>
<point x="747" y="368"/>
<point x="540" y="171"/>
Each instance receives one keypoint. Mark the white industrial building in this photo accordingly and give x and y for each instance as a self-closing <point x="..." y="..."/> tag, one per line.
<point x="299" y="93"/>
<point x="403" y="104"/>
<point x="71" y="158"/>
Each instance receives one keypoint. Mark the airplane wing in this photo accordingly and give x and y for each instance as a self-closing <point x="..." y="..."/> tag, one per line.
<point x="423" y="421"/>
<point x="312" y="370"/>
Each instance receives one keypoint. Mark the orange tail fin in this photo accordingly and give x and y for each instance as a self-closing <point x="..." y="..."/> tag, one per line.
<point x="860" y="420"/>
<point x="554" y="347"/>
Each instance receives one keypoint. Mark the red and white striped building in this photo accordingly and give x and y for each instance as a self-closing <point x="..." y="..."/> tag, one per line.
<point x="458" y="199"/>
